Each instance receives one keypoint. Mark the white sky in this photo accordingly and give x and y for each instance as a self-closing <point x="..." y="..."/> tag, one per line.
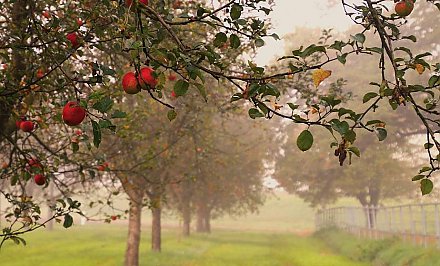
<point x="288" y="14"/>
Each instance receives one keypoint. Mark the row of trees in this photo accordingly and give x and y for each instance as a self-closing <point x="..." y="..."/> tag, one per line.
<point x="55" y="52"/>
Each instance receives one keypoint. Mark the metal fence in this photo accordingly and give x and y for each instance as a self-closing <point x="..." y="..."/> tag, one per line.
<point x="416" y="223"/>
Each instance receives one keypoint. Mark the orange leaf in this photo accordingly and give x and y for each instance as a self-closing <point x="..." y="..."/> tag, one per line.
<point x="420" y="69"/>
<point x="320" y="75"/>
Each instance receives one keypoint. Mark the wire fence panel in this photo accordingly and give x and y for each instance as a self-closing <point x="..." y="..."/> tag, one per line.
<point x="415" y="223"/>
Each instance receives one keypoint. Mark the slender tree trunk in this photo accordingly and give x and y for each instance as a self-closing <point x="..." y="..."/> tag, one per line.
<point x="134" y="233"/>
<point x="186" y="206"/>
<point x="207" y="220"/>
<point x="156" y="229"/>
<point x="186" y="213"/>
<point x="200" y="224"/>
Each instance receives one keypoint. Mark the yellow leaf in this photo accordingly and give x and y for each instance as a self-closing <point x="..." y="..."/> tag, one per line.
<point x="420" y="69"/>
<point x="320" y="75"/>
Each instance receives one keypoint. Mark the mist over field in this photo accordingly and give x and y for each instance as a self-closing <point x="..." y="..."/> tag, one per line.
<point x="211" y="133"/>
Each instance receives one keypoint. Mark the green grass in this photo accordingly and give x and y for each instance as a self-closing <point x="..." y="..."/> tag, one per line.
<point x="105" y="245"/>
<point x="389" y="252"/>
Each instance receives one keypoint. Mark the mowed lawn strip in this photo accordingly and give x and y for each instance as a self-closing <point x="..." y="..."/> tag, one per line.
<point x="105" y="245"/>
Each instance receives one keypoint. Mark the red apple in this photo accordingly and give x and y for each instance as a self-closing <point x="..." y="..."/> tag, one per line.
<point x="114" y="217"/>
<point x="129" y="3"/>
<point x="73" y="38"/>
<point x="79" y="22"/>
<point x="40" y="73"/>
<point x="73" y="114"/>
<point x="146" y="78"/>
<point x="27" y="126"/>
<point x="101" y="167"/>
<point x="18" y="123"/>
<point x="404" y="7"/>
<point x="46" y="14"/>
<point x="130" y="83"/>
<point x="177" y="4"/>
<point x="34" y="165"/>
<point x="40" y="179"/>
<point x="172" y="77"/>
<point x="173" y="94"/>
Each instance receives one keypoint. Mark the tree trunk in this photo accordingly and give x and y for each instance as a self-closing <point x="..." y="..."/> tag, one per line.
<point x="19" y="20"/>
<point x="370" y="216"/>
<point x="156" y="229"/>
<point x="200" y="225"/>
<point x="134" y="233"/>
<point x="207" y="220"/>
<point x="186" y="213"/>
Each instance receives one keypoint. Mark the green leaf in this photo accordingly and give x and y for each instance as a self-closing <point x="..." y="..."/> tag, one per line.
<point x="234" y="40"/>
<point x="426" y="186"/>
<point x="172" y="114"/>
<point x="342" y="58"/>
<point x="373" y="122"/>
<point x="202" y="91"/>
<point x="417" y="177"/>
<point x="428" y="146"/>
<point x="259" y="42"/>
<point x="355" y="150"/>
<point x="68" y="221"/>
<point x="433" y="81"/>
<point x="181" y="87"/>
<point x="341" y="127"/>
<point x="119" y="114"/>
<point x="236" y="97"/>
<point x="96" y="133"/>
<point x="311" y="49"/>
<point x="350" y="136"/>
<point x="381" y="133"/>
<point x="14" y="180"/>
<point x="375" y="50"/>
<point x="236" y="10"/>
<point x="220" y="39"/>
<point x="255" y="113"/>
<point x="75" y="147"/>
<point x="293" y="106"/>
<point x="359" y="37"/>
<point x="103" y="105"/>
<point x="368" y="96"/>
<point x="410" y="37"/>
<point x="304" y="140"/>
<point x="425" y="169"/>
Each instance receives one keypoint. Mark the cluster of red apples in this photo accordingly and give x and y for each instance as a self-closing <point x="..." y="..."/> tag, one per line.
<point x="35" y="166"/>
<point x="25" y="125"/>
<point x="132" y="82"/>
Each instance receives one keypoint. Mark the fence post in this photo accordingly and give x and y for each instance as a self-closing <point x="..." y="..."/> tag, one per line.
<point x="413" y="234"/>
<point x="437" y="225"/>
<point x="389" y="219"/>
<point x="402" y="224"/>
<point x="375" y="210"/>
<point x="424" y="224"/>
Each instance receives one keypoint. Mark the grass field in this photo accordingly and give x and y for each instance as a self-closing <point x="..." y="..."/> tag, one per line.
<point x="104" y="245"/>
<point x="270" y="237"/>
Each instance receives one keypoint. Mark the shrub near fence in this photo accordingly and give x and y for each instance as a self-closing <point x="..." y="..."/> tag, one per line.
<point x="416" y="223"/>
